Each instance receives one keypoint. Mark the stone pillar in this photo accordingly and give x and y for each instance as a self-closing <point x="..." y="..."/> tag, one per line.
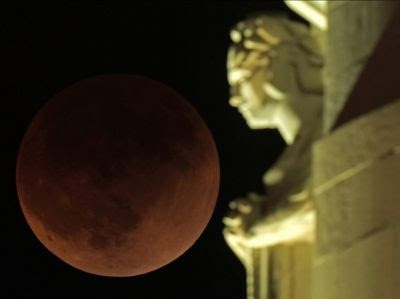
<point x="356" y="186"/>
<point x="291" y="271"/>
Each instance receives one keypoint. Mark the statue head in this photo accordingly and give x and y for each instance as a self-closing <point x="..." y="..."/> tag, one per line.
<point x="273" y="67"/>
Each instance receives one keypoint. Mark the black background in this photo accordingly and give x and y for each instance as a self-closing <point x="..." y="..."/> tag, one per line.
<point x="48" y="47"/>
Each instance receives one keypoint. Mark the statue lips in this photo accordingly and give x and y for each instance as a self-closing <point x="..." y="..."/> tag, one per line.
<point x="117" y="175"/>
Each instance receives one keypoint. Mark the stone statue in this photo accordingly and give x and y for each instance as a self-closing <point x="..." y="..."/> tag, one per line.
<point x="274" y="70"/>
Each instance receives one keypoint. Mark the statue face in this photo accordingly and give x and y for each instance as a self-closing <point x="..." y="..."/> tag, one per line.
<point x="249" y="96"/>
<point x="254" y="68"/>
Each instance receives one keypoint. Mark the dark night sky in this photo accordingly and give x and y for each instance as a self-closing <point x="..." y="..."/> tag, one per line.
<point x="184" y="46"/>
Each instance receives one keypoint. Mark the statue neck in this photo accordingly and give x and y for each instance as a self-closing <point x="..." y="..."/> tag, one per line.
<point x="288" y="123"/>
<point x="311" y="124"/>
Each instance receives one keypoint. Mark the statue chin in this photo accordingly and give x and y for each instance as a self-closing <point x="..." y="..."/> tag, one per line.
<point x="274" y="116"/>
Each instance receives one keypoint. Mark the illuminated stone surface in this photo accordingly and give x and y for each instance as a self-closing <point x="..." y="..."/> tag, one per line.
<point x="356" y="195"/>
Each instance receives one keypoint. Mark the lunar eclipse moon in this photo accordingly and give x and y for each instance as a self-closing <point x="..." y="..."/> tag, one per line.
<point x="117" y="175"/>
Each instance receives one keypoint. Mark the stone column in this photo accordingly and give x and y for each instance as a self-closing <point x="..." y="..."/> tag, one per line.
<point x="291" y="271"/>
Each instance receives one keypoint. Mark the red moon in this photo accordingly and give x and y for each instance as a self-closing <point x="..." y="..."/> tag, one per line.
<point x="117" y="175"/>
